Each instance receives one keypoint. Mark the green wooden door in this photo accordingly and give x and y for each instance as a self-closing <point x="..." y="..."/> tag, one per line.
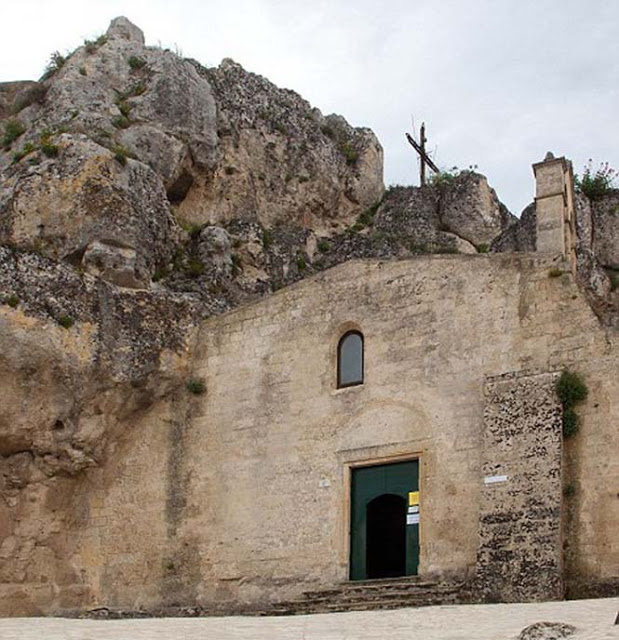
<point x="386" y="487"/>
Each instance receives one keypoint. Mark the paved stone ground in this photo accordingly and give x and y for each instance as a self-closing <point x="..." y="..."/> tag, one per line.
<point x="594" y="620"/>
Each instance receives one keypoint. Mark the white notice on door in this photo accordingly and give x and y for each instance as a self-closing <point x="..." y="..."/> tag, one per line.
<point x="412" y="518"/>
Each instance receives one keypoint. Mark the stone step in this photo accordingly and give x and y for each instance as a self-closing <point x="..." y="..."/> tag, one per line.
<point x="403" y="588"/>
<point x="397" y="595"/>
<point x="360" y="596"/>
<point x="380" y="585"/>
<point x="371" y="590"/>
<point x="420" y="596"/>
<point x="328" y="593"/>
<point x="304" y="608"/>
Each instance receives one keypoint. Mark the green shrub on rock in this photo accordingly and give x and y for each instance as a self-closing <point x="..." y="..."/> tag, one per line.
<point x="571" y="390"/>
<point x="34" y="95"/>
<point x="136" y="63"/>
<point x="596" y="184"/>
<point x="23" y="152"/>
<point x="120" y="154"/>
<point x="197" y="387"/>
<point x="56" y="62"/>
<point x="66" y="322"/>
<point x="13" y="129"/>
<point x="571" y="423"/>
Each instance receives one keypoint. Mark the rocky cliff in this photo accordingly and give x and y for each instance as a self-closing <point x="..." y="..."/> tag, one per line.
<point x="123" y="156"/>
<point x="121" y="145"/>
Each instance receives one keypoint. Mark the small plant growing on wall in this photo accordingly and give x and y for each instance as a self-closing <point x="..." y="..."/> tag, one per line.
<point x="569" y="491"/>
<point x="267" y="240"/>
<point x="66" y="322"/>
<point x="195" y="386"/>
<point x="571" y="390"/>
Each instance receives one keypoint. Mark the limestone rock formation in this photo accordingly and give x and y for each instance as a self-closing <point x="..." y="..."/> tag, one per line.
<point x="597" y="248"/>
<point x="112" y="164"/>
<point x="462" y="215"/>
<point x="121" y="146"/>
<point x="547" y="631"/>
<point x="12" y="93"/>
<point x="471" y="209"/>
<point x="77" y="356"/>
<point x="215" y="247"/>
<point x="518" y="236"/>
<point x="197" y="146"/>
<point x="61" y="205"/>
<point x="282" y="161"/>
<point x="605" y="229"/>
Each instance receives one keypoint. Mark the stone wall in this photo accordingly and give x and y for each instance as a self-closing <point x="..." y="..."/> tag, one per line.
<point x="239" y="497"/>
<point x="520" y="555"/>
<point x="591" y="467"/>
<point x="276" y="434"/>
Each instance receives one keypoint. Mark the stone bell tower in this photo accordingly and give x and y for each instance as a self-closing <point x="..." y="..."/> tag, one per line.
<point x="554" y="203"/>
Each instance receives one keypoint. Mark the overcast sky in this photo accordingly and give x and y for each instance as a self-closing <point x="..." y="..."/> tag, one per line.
<point x="498" y="82"/>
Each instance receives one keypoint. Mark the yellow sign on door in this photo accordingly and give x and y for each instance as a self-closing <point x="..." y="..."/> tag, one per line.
<point x="413" y="498"/>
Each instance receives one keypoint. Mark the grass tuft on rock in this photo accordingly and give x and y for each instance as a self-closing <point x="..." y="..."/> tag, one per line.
<point x="135" y="62"/>
<point x="13" y="129"/>
<point x="120" y="154"/>
<point x="66" y="322"/>
<point x="196" y="387"/>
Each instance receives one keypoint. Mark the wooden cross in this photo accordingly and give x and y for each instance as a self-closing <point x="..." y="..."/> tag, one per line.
<point x="420" y="148"/>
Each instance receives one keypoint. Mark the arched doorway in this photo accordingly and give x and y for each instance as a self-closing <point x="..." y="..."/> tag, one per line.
<point x="384" y="520"/>
<point x="386" y="537"/>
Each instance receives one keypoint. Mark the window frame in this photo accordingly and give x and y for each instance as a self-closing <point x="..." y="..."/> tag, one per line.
<point x="339" y="383"/>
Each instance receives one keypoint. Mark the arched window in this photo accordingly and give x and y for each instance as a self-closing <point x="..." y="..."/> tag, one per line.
<point x="350" y="359"/>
